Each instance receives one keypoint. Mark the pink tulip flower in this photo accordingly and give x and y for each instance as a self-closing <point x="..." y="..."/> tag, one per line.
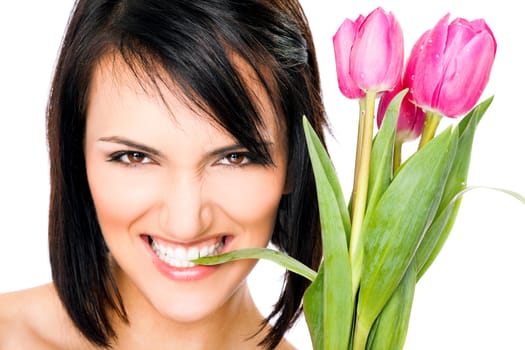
<point x="449" y="66"/>
<point x="410" y="120"/>
<point x="369" y="53"/>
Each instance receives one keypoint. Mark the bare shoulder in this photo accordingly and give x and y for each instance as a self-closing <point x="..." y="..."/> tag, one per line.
<point x="35" y="319"/>
<point x="21" y="326"/>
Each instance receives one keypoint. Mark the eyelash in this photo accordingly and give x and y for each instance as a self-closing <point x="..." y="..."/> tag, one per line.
<point x="118" y="158"/>
<point x="247" y="159"/>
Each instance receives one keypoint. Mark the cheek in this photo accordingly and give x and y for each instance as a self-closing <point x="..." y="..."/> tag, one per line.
<point x="252" y="199"/>
<point x="119" y="200"/>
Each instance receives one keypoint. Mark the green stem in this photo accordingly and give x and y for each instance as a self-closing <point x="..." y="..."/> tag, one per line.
<point x="432" y="120"/>
<point x="360" y="189"/>
<point x="398" y="145"/>
<point x="359" y="144"/>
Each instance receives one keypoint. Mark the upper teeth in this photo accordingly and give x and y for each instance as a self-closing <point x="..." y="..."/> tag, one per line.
<point x="180" y="256"/>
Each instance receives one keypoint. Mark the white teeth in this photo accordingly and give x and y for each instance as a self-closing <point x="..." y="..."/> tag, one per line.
<point x="180" y="256"/>
<point x="193" y="253"/>
<point x="204" y="251"/>
<point x="179" y="253"/>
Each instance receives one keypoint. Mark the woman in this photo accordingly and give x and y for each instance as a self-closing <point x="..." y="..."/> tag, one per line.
<point x="174" y="131"/>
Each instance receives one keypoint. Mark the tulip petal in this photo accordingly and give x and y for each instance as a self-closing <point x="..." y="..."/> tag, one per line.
<point x="409" y="75"/>
<point x="411" y="121"/>
<point x="396" y="60"/>
<point x="460" y="32"/>
<point x="371" y="49"/>
<point x="343" y="41"/>
<point x="465" y="81"/>
<point x="384" y="101"/>
<point x="479" y="25"/>
<point x="429" y="65"/>
<point x="411" y="117"/>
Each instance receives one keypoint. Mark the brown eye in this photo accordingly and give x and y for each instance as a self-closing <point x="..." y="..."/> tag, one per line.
<point x="134" y="157"/>
<point x="235" y="159"/>
<point x="130" y="158"/>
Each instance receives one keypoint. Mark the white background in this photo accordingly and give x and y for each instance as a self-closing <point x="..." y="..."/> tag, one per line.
<point x="471" y="298"/>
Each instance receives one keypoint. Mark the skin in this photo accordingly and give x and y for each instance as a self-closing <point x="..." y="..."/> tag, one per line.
<point x="185" y="182"/>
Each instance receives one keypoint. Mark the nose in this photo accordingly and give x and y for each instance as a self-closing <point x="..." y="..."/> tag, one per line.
<point x="185" y="214"/>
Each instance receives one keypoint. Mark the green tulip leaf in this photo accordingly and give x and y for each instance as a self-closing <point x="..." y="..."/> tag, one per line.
<point x="313" y="310"/>
<point x="336" y="284"/>
<point x="443" y="221"/>
<point x="278" y="257"/>
<point x="396" y="224"/>
<point x="390" y="328"/>
<point x="315" y="147"/>
<point x="382" y="157"/>
<point x="439" y="230"/>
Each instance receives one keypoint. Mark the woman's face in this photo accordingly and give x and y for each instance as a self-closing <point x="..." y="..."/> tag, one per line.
<point x="169" y="185"/>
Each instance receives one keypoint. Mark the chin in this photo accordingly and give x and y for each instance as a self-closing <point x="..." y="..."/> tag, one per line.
<point x="194" y="301"/>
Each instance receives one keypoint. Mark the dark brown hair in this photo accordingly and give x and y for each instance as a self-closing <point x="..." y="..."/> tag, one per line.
<point x="191" y="41"/>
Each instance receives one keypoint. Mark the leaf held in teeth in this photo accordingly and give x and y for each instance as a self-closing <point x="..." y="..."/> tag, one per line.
<point x="260" y="253"/>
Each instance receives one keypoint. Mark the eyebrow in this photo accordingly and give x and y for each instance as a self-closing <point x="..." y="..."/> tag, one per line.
<point x="227" y="149"/>
<point x="236" y="147"/>
<point x="152" y="151"/>
<point x="132" y="144"/>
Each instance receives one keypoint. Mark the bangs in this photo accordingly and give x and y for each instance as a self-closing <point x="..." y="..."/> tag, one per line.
<point x="204" y="72"/>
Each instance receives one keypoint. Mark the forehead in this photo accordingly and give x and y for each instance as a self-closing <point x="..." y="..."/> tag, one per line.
<point x="114" y="73"/>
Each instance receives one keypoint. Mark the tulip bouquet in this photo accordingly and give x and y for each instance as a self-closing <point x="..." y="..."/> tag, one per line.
<point x="376" y="247"/>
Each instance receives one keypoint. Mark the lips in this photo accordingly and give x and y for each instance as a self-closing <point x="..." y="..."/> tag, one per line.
<point x="173" y="259"/>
